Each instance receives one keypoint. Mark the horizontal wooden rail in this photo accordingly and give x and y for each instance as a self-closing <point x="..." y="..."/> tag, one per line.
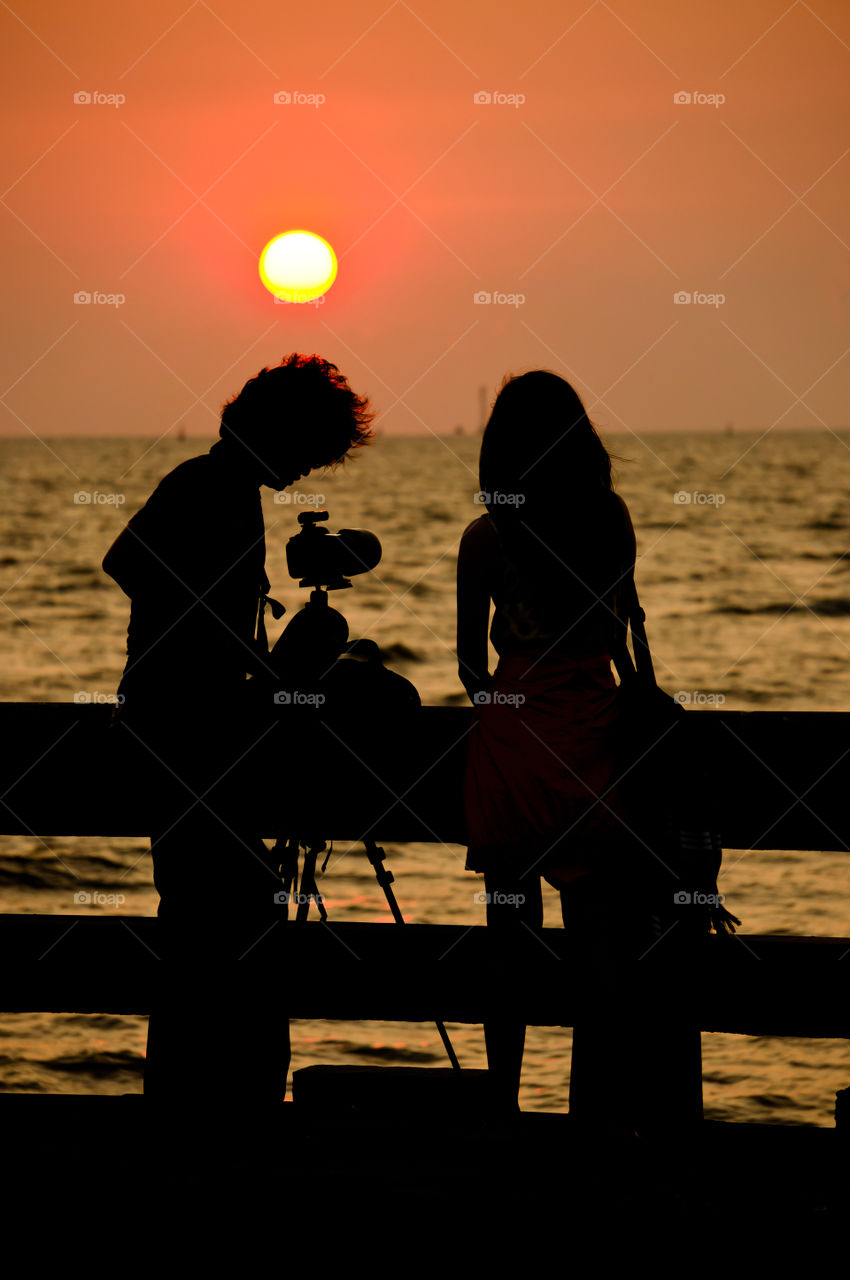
<point x="765" y="780"/>
<point x="753" y="985"/>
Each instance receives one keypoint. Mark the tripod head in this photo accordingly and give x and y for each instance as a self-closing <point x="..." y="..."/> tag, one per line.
<point x="317" y="634"/>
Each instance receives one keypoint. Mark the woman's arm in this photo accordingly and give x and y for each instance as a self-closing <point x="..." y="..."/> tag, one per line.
<point x="474" y="578"/>
<point x="624" y="597"/>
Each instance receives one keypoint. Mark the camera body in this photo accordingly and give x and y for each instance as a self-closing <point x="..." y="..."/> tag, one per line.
<point x="327" y="560"/>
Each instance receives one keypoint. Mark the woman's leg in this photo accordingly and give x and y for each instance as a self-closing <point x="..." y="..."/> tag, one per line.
<point x="636" y="1060"/>
<point x="512" y="905"/>
<point x="602" y="1075"/>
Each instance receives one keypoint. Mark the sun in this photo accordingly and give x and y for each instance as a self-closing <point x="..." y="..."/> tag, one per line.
<point x="297" y="266"/>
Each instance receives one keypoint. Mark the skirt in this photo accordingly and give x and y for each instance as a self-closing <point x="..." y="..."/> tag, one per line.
<point x="540" y="789"/>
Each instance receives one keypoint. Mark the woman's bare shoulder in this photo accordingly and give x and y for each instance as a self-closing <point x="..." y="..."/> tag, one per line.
<point x="621" y="503"/>
<point x="628" y="529"/>
<point x="479" y="548"/>
<point x="479" y="532"/>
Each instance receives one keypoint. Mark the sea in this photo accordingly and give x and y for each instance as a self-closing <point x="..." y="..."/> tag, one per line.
<point x="744" y="573"/>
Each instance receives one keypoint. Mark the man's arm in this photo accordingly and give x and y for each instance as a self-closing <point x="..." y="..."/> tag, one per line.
<point x="172" y="549"/>
<point x="133" y="564"/>
<point x="152" y="552"/>
<point x="474" y="576"/>
<point x="192" y="559"/>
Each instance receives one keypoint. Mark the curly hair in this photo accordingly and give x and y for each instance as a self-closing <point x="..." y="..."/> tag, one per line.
<point x="304" y="402"/>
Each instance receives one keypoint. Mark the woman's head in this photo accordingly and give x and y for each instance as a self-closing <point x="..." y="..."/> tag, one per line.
<point x="545" y="478"/>
<point x="540" y="446"/>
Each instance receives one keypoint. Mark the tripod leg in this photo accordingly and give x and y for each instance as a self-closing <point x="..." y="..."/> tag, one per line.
<point x="287" y="852"/>
<point x="384" y="877"/>
<point x="309" y="888"/>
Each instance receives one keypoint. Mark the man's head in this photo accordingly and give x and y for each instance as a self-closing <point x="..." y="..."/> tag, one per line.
<point x="300" y="415"/>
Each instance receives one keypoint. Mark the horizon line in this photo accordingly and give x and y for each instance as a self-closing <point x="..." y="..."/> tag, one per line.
<point x="726" y="429"/>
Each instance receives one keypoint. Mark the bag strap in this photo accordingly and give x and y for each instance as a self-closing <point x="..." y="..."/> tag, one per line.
<point x="640" y="643"/>
<point x="641" y="665"/>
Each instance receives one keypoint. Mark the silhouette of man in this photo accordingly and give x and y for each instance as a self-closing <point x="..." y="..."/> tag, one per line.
<point x="192" y="561"/>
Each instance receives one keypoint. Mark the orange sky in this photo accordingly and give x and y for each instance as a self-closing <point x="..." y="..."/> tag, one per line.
<point x="596" y="200"/>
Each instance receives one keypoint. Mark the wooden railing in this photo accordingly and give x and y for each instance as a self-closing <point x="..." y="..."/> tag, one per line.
<point x="764" y="779"/>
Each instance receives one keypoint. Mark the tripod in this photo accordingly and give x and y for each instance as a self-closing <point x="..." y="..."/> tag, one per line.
<point x="307" y="650"/>
<point x="287" y="849"/>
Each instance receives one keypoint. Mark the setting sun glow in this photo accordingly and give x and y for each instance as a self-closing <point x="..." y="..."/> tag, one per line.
<point x="298" y="266"/>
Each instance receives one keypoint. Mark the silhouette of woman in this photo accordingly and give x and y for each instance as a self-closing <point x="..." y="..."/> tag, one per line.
<point x="555" y="554"/>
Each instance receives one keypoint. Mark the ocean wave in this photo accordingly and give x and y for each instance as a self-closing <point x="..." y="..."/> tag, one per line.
<point x="400" y="652"/>
<point x="18" y="874"/>
<point x="838" y="607"/>
<point x="101" y="1021"/>
<point x="84" y="571"/>
<point x="776" y="1101"/>
<point x="388" y="1054"/>
<point x="97" y="1064"/>
<point x="61" y="588"/>
<point x="763" y="697"/>
<point x="61" y="870"/>
<point x="460" y="699"/>
<point x="828" y="607"/>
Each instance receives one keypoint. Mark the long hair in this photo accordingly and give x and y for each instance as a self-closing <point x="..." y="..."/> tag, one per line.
<point x="545" y="479"/>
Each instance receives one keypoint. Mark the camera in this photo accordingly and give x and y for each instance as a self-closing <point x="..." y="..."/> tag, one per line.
<point x="327" y="560"/>
<point x="313" y="663"/>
